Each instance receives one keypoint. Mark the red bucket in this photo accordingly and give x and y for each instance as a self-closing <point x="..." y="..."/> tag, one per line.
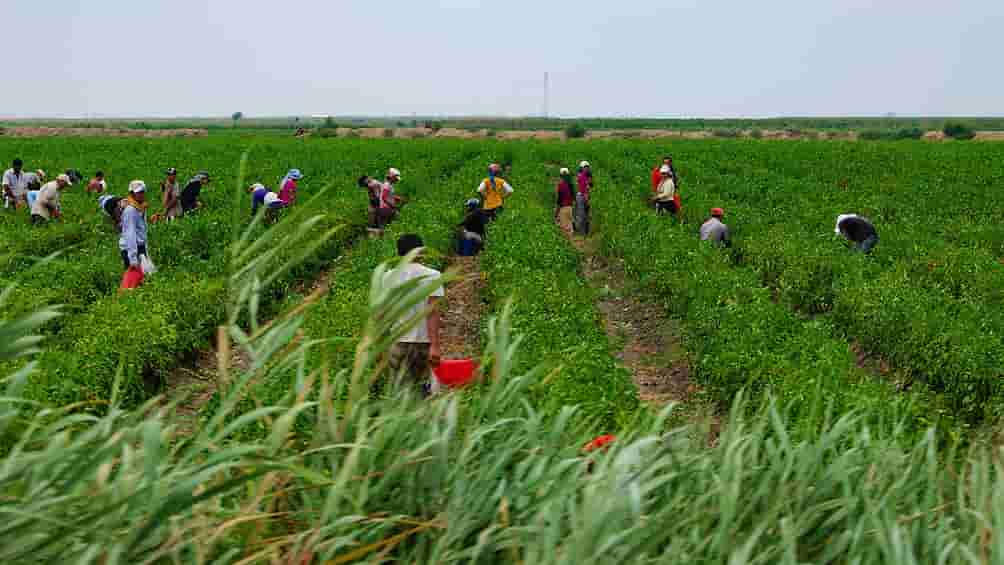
<point x="455" y="372"/>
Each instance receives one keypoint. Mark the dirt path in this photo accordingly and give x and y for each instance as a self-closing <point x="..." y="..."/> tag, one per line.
<point x="461" y="321"/>
<point x="649" y="341"/>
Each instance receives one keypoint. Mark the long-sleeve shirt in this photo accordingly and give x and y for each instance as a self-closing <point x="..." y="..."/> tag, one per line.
<point x="856" y="228"/>
<point x="16" y="183"/>
<point x="585" y="182"/>
<point x="133" y="233"/>
<point x="565" y="195"/>
<point x="288" y="192"/>
<point x="666" y="190"/>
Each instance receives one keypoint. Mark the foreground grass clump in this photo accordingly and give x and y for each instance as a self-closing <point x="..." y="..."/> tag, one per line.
<point x="487" y="479"/>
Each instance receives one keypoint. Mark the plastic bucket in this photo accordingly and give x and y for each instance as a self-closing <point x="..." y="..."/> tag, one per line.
<point x="455" y="372"/>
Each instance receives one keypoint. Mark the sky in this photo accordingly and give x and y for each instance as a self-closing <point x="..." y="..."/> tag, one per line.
<point x="651" y="58"/>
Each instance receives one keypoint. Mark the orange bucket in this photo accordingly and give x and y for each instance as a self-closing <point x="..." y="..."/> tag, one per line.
<point x="455" y="372"/>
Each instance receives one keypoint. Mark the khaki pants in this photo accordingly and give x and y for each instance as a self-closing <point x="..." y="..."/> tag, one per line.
<point x="410" y="363"/>
<point x="565" y="218"/>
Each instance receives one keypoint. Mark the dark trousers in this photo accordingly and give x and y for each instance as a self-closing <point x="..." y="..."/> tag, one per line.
<point x="867" y="245"/>
<point x="664" y="207"/>
<point x="141" y="251"/>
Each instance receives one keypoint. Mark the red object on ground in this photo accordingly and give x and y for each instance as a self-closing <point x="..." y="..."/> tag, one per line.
<point x="454" y="372"/>
<point x="132" y="278"/>
<point x="599" y="442"/>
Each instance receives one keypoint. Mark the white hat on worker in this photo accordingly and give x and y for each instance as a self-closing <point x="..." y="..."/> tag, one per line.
<point x="41" y="174"/>
<point x="392" y="172"/>
<point x="583" y="164"/>
<point x="137" y="186"/>
<point x="65" y="178"/>
<point x="257" y="186"/>
<point x="564" y="171"/>
<point x="665" y="169"/>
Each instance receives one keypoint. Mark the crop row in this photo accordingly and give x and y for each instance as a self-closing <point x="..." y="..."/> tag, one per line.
<point x="927" y="300"/>
<point x="739" y="336"/>
<point x="148" y="330"/>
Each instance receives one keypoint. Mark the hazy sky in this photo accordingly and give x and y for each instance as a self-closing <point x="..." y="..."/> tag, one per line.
<point x="606" y="58"/>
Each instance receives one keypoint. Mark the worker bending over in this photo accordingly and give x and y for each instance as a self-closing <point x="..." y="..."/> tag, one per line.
<point x="857" y="230"/>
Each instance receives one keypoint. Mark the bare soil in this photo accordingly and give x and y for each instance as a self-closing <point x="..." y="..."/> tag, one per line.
<point x="461" y="319"/>
<point x="649" y="341"/>
<point x="29" y="131"/>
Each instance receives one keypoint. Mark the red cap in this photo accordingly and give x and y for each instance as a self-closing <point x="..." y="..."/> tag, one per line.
<point x="717" y="212"/>
<point x="597" y="443"/>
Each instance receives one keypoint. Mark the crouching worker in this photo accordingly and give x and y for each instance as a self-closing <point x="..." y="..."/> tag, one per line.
<point x="857" y="230"/>
<point x="46" y="205"/>
<point x="715" y="230"/>
<point x="471" y="231"/>
<point x="417" y="351"/>
<point x="262" y="196"/>
<point x="132" y="241"/>
<point x="665" y="195"/>
<point x="373" y="188"/>
<point x="112" y="205"/>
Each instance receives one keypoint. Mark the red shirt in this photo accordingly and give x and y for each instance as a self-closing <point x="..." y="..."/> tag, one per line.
<point x="585" y="182"/>
<point x="288" y="192"/>
<point x="565" y="195"/>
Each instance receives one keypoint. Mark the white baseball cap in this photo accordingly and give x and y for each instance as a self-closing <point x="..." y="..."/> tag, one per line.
<point x="65" y="178"/>
<point x="583" y="164"/>
<point x="257" y="186"/>
<point x="392" y="172"/>
<point x="664" y="169"/>
<point x="563" y="171"/>
<point x="137" y="186"/>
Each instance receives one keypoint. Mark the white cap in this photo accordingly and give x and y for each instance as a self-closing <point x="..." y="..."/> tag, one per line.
<point x="563" y="171"/>
<point x="137" y="186"/>
<point x="41" y="174"/>
<point x="392" y="172"/>
<point x="664" y="169"/>
<point x="65" y="178"/>
<point x="257" y="186"/>
<point x="841" y="218"/>
<point x="271" y="198"/>
<point x="583" y="164"/>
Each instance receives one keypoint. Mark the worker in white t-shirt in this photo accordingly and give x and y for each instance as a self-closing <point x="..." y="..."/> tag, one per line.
<point x="417" y="351"/>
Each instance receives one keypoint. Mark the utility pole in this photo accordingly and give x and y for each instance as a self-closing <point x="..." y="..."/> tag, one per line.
<point x="546" y="93"/>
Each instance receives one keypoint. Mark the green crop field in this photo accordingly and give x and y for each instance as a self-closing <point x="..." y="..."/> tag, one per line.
<point x="292" y="461"/>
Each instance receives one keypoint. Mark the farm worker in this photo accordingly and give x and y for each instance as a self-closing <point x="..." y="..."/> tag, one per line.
<point x="97" y="184"/>
<point x="494" y="190"/>
<point x="132" y="242"/>
<point x="112" y="205"/>
<point x="287" y="187"/>
<point x="171" y="194"/>
<point x="657" y="179"/>
<point x="74" y="175"/>
<point x="14" y="186"/>
<point x="262" y="196"/>
<point x="565" y="201"/>
<point x="389" y="203"/>
<point x="472" y="228"/>
<point x="857" y="230"/>
<point x="373" y="188"/>
<point x="585" y="185"/>
<point x="190" y="194"/>
<point x="33" y="182"/>
<point x="715" y="230"/>
<point x="46" y="205"/>
<point x="665" y="196"/>
<point x="417" y="351"/>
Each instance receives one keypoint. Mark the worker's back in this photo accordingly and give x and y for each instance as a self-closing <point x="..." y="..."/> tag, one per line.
<point x="714" y="230"/>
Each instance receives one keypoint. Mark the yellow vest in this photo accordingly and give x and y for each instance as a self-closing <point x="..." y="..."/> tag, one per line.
<point x="493" y="193"/>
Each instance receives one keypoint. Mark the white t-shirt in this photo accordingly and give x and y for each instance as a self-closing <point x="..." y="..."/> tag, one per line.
<point x="398" y="277"/>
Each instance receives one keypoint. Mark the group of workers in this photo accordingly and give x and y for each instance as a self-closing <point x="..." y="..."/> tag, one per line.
<point x="572" y="206"/>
